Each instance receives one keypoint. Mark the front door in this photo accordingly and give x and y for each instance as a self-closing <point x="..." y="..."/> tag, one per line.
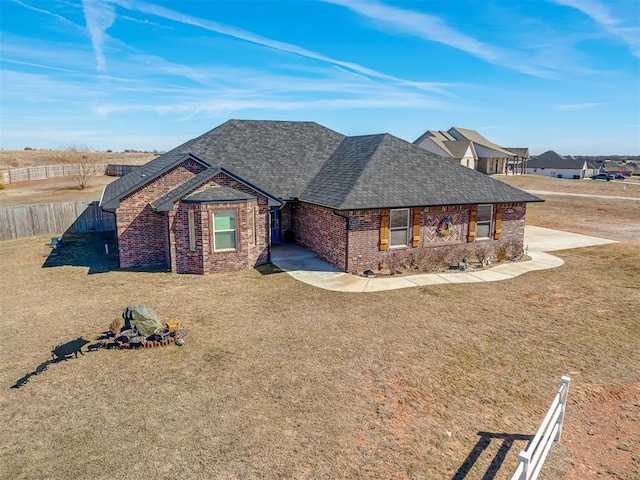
<point x="275" y="226"/>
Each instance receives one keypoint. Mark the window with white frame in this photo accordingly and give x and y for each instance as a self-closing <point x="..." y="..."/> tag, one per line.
<point x="224" y="231"/>
<point x="398" y="227"/>
<point x="483" y="221"/>
<point x="192" y="231"/>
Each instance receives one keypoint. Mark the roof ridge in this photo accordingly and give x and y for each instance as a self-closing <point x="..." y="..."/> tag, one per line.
<point x="358" y="174"/>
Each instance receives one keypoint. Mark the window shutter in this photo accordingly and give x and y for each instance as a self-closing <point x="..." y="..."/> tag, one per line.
<point x="498" y="232"/>
<point x="384" y="229"/>
<point x="417" y="221"/>
<point x="473" y="215"/>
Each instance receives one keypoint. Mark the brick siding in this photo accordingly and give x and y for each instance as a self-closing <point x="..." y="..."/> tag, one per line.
<point x="323" y="232"/>
<point x="151" y="239"/>
<point x="320" y="230"/>
<point x="251" y="248"/>
<point x="142" y="233"/>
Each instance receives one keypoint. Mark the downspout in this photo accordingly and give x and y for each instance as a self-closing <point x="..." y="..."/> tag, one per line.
<point x="169" y="241"/>
<point x="269" y="242"/>
<point x="346" y="257"/>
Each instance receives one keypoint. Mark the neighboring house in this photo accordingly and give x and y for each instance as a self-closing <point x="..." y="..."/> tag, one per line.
<point x="614" y="167"/>
<point x="592" y="169"/>
<point x="219" y="201"/>
<point x="551" y="164"/>
<point x="634" y="167"/>
<point x="443" y="144"/>
<point x="471" y="149"/>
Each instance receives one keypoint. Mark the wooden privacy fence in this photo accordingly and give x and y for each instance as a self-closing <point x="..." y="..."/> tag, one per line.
<point x="53" y="219"/>
<point x="530" y="461"/>
<point x="45" y="171"/>
<point x="115" y="170"/>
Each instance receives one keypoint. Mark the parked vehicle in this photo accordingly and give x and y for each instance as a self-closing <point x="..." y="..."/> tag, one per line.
<point x="602" y="176"/>
<point x="620" y="176"/>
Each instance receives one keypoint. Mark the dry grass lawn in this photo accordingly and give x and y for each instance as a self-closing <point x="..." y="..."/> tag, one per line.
<point x="279" y="379"/>
<point x="33" y="158"/>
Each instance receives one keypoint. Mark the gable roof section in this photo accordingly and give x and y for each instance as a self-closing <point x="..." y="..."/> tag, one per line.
<point x="611" y="166"/>
<point x="473" y="136"/>
<point x="437" y="137"/>
<point x="458" y="148"/>
<point x="184" y="190"/>
<point x="117" y="190"/>
<point x="291" y="160"/>
<point x="453" y="148"/>
<point x="551" y="159"/>
<point x="276" y="156"/>
<point x="219" y="194"/>
<point x="383" y="171"/>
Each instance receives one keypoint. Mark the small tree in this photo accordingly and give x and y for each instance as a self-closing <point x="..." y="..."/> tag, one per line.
<point x="82" y="163"/>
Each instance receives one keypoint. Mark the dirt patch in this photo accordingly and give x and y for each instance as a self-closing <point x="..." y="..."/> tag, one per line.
<point x="282" y="380"/>
<point x="603" y="436"/>
<point x="53" y="190"/>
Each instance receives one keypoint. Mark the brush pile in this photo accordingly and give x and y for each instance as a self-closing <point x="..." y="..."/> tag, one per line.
<point x="141" y="329"/>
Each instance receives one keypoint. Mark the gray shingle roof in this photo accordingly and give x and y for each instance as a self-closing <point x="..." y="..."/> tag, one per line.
<point x="116" y="191"/>
<point x="287" y="160"/>
<point x="279" y="157"/>
<point x="165" y="203"/>
<point x="522" y="152"/>
<point x="478" y="139"/>
<point x="551" y="159"/>
<point x="383" y="171"/>
<point x="458" y="148"/>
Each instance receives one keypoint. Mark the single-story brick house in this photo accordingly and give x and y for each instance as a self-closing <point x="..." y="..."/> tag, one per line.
<point x="220" y="201"/>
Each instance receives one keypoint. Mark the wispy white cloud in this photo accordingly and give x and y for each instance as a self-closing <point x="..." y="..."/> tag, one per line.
<point x="57" y="16"/>
<point x="567" y="107"/>
<point x="37" y="65"/>
<point x="207" y="104"/>
<point x="247" y="36"/>
<point x="601" y="14"/>
<point x="433" y="28"/>
<point x="99" y="16"/>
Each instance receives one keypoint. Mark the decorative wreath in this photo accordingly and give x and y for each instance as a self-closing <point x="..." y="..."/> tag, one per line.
<point x="445" y="227"/>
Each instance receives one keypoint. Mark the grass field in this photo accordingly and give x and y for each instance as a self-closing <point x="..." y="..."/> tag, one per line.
<point x="33" y="158"/>
<point x="279" y="379"/>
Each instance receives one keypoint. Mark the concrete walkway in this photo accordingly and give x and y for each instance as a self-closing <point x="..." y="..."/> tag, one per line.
<point x="305" y="266"/>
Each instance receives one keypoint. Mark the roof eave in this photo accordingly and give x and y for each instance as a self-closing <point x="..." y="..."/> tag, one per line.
<point x="114" y="203"/>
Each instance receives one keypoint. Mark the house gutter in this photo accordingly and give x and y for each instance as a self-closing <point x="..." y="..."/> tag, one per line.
<point x="346" y="257"/>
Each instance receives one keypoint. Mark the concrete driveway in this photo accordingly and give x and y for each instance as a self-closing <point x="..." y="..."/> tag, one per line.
<point x="305" y="266"/>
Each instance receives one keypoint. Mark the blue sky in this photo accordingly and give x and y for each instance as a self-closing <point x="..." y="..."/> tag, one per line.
<point x="123" y="74"/>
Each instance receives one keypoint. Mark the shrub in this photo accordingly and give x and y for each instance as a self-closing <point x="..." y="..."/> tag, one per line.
<point x="482" y="250"/>
<point x="115" y="326"/>
<point x="516" y="250"/>
<point x="393" y="263"/>
<point x="501" y="253"/>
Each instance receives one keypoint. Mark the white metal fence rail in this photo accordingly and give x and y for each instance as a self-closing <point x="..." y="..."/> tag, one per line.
<point x="530" y="461"/>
